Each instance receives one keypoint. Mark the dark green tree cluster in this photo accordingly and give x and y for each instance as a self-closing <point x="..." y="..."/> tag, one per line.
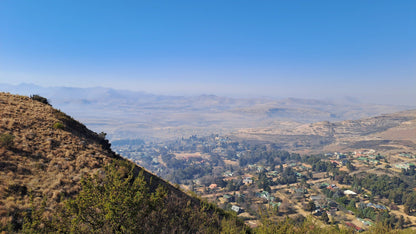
<point x="180" y="175"/>
<point x="410" y="203"/>
<point x="384" y="217"/>
<point x="264" y="182"/>
<point x="310" y="206"/>
<point x="288" y="176"/>
<point x="342" y="177"/>
<point x="120" y="201"/>
<point x="259" y="153"/>
<point x="384" y="186"/>
<point x="39" y="98"/>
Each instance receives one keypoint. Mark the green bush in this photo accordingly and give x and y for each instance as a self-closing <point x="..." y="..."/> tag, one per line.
<point x="120" y="199"/>
<point x="6" y="140"/>
<point x="39" y="98"/>
<point x="58" y="125"/>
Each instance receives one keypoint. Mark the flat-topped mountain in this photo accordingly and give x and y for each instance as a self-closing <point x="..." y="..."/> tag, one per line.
<point x="393" y="132"/>
<point x="47" y="159"/>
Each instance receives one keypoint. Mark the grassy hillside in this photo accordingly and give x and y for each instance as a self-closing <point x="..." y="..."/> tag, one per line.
<point x="47" y="158"/>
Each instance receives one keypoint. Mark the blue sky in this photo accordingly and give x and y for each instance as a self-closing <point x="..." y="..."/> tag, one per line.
<point x="315" y="49"/>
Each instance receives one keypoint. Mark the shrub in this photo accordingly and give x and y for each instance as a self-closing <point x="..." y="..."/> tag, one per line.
<point x="39" y="98"/>
<point x="17" y="189"/>
<point x="58" y="125"/>
<point x="123" y="200"/>
<point x="6" y="140"/>
<point x="102" y="135"/>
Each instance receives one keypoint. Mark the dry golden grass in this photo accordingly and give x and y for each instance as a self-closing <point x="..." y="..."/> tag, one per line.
<point x="43" y="162"/>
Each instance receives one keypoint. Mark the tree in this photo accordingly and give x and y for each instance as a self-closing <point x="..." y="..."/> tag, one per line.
<point x="350" y="167"/>
<point x="116" y="203"/>
<point x="400" y="222"/>
<point x="325" y="217"/>
<point x="410" y="204"/>
<point x="352" y="204"/>
<point x="310" y="206"/>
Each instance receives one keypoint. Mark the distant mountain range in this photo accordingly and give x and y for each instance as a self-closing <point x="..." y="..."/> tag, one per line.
<point x="126" y="114"/>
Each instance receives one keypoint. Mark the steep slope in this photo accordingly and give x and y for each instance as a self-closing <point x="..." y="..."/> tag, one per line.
<point x="44" y="154"/>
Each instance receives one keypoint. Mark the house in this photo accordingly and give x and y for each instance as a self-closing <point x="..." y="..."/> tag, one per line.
<point x="407" y="155"/>
<point x="299" y="191"/>
<point x="248" y="180"/>
<point x="228" y="198"/>
<point x="274" y="204"/>
<point x="273" y="173"/>
<point x="365" y="222"/>
<point x="358" y="229"/>
<point x="265" y="195"/>
<point x="376" y="206"/>
<point x="404" y="165"/>
<point x="323" y="185"/>
<point x="332" y="187"/>
<point x="334" y="162"/>
<point x="298" y="174"/>
<point x="315" y="197"/>
<point x="362" y="159"/>
<point x="213" y="186"/>
<point x="260" y="169"/>
<point x="350" y="193"/>
<point x="236" y="209"/>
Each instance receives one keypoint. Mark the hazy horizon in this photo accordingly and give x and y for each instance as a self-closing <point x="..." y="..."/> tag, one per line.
<point x="22" y="89"/>
<point x="318" y="50"/>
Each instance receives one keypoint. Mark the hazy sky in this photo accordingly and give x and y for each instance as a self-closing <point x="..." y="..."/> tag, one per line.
<point x="362" y="48"/>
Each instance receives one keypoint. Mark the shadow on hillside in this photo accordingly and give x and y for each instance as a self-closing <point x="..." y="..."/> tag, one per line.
<point x="27" y="154"/>
<point x="8" y="167"/>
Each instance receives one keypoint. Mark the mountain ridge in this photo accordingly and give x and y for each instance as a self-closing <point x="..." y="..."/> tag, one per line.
<point x="127" y="114"/>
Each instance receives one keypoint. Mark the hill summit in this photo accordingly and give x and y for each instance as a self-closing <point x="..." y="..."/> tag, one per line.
<point x="57" y="175"/>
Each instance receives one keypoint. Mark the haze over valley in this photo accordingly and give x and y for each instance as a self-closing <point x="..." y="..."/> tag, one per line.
<point x="128" y="115"/>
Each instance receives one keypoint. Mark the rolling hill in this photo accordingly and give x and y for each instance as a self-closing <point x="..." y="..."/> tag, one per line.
<point x="394" y="132"/>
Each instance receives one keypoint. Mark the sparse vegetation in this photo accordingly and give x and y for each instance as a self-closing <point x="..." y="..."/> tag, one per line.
<point x="6" y="140"/>
<point x="58" y="125"/>
<point x="39" y="98"/>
